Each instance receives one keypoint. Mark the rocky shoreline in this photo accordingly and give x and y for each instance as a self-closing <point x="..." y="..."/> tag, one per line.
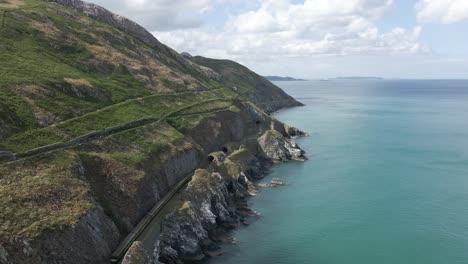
<point x="215" y="201"/>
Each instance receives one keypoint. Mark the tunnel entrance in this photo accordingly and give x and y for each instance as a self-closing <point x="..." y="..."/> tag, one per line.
<point x="210" y="158"/>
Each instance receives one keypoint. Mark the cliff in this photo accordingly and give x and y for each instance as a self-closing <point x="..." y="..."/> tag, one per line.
<point x="99" y="121"/>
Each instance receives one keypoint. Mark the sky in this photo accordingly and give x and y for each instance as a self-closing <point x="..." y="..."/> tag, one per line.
<point x="420" y="39"/>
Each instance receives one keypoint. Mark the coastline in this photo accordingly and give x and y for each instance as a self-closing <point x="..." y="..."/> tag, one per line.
<point x="215" y="200"/>
<point x="78" y="186"/>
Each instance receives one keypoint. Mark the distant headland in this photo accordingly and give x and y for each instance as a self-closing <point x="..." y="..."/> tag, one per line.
<point x="280" y="78"/>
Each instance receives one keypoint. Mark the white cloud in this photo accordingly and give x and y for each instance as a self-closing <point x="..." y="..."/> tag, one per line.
<point x="161" y="15"/>
<point x="272" y="35"/>
<point x="442" y="11"/>
<point x="315" y="28"/>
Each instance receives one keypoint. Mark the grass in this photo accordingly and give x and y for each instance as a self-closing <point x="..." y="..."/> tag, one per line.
<point x="152" y="106"/>
<point x="42" y="47"/>
<point x="184" y="123"/>
<point x="30" y="57"/>
<point x="240" y="154"/>
<point x="233" y="161"/>
<point x="40" y="194"/>
<point x="201" y="179"/>
<point x="247" y="83"/>
<point x="52" y="52"/>
<point x="192" y="117"/>
<point x="144" y="142"/>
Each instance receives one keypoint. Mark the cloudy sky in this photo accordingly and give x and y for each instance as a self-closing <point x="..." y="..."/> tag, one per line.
<point x="315" y="38"/>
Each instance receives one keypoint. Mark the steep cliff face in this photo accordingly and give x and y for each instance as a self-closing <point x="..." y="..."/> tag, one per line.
<point x="111" y="183"/>
<point x="213" y="202"/>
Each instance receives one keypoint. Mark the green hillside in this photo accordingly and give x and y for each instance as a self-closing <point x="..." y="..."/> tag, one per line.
<point x="249" y="84"/>
<point x="93" y="112"/>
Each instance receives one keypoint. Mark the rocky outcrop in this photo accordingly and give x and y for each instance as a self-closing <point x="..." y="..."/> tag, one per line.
<point x="294" y="132"/>
<point x="186" y="231"/>
<point x="213" y="204"/>
<point x="215" y="199"/>
<point x="279" y="148"/>
<point x="101" y="14"/>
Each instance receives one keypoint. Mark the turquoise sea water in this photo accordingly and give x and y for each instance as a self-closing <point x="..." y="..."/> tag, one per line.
<point x="387" y="179"/>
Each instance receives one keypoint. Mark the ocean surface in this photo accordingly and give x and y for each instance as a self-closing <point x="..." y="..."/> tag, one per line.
<point x="387" y="179"/>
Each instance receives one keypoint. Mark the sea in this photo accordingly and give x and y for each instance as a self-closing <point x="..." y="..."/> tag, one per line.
<point x="386" y="181"/>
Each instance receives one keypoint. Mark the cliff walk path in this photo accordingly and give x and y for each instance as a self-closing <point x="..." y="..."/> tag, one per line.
<point x="148" y="229"/>
<point x="95" y="135"/>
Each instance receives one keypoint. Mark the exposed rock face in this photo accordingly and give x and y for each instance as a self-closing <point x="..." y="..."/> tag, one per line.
<point x="180" y="165"/>
<point x="94" y="237"/>
<point x="215" y="198"/>
<point x="83" y="89"/>
<point x="137" y="254"/>
<point x="187" y="229"/>
<point x="212" y="203"/>
<point x="103" y="15"/>
<point x="279" y="148"/>
<point x="186" y="55"/>
<point x="294" y="132"/>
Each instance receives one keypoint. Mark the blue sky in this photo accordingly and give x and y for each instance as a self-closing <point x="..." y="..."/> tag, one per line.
<point x="315" y="38"/>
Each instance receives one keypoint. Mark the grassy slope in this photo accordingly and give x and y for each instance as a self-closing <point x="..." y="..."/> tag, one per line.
<point x="40" y="194"/>
<point x="52" y="65"/>
<point x="59" y="67"/>
<point x="249" y="84"/>
<point x="80" y="75"/>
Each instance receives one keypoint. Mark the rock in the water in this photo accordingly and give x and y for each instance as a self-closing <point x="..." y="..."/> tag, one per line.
<point x="294" y="132"/>
<point x="214" y="253"/>
<point x="276" y="182"/>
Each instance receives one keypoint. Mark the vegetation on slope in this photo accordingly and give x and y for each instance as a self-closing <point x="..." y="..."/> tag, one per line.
<point x="40" y="194"/>
<point x="58" y="64"/>
<point x="249" y="84"/>
<point x="64" y="75"/>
